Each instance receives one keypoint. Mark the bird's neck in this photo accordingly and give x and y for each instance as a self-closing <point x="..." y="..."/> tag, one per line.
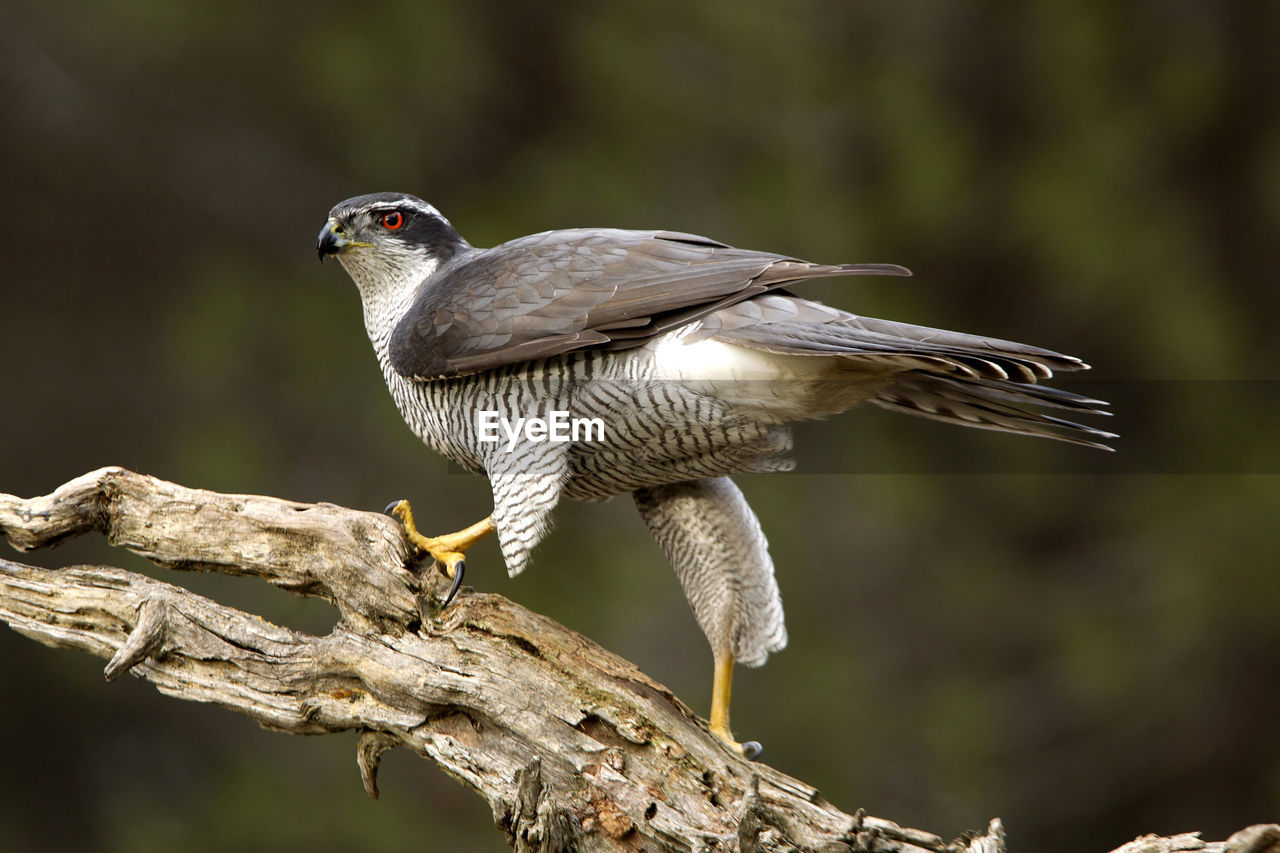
<point x="386" y="295"/>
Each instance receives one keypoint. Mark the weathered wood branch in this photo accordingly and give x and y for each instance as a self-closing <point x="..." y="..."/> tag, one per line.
<point x="572" y="747"/>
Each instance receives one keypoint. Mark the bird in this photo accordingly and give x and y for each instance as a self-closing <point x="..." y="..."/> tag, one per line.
<point x="684" y="359"/>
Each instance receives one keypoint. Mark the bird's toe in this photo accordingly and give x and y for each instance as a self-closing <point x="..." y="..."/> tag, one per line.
<point x="459" y="569"/>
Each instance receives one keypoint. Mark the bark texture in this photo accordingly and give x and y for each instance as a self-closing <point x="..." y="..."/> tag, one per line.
<point x="571" y="746"/>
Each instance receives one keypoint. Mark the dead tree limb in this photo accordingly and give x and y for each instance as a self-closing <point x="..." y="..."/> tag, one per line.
<point x="572" y="747"/>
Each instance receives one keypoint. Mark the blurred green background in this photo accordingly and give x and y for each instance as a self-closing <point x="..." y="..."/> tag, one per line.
<point x="1085" y="645"/>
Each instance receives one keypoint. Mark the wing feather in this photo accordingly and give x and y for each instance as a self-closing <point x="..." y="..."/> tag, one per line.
<point x="558" y="291"/>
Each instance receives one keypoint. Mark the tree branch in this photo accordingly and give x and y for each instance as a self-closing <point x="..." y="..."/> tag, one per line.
<point x="572" y="746"/>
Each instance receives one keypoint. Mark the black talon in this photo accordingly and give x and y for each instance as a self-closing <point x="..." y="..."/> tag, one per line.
<point x="459" y="569"/>
<point x="751" y="750"/>
<point x="390" y="507"/>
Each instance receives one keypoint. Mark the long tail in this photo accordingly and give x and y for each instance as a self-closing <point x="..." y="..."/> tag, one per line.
<point x="931" y="373"/>
<point x="995" y="404"/>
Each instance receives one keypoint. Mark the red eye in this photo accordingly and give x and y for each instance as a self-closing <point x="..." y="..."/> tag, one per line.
<point x="393" y="220"/>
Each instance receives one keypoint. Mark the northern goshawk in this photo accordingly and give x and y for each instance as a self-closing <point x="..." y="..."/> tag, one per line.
<point x="682" y="359"/>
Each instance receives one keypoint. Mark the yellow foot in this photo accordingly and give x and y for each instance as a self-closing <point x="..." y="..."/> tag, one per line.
<point x="749" y="750"/>
<point x="448" y="550"/>
<point x="721" y="689"/>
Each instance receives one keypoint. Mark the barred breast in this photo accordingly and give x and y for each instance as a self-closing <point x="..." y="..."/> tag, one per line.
<point x="652" y="430"/>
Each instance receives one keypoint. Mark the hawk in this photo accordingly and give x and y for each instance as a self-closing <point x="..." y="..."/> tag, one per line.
<point x="692" y="357"/>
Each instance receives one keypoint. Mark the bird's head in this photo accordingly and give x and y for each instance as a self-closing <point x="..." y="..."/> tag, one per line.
<point x="386" y="238"/>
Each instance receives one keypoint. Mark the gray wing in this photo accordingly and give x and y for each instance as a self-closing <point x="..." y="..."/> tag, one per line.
<point x="783" y="323"/>
<point x="559" y="291"/>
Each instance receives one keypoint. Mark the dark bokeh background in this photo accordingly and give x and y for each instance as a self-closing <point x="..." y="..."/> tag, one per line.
<point x="1086" y="645"/>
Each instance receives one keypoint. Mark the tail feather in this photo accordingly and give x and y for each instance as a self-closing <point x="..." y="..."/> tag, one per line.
<point x="994" y="404"/>
<point x="958" y="378"/>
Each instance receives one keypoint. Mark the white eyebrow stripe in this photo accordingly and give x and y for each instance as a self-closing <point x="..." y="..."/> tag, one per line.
<point x="420" y="206"/>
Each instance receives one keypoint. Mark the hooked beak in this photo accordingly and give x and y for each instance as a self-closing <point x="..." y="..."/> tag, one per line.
<point x="331" y="240"/>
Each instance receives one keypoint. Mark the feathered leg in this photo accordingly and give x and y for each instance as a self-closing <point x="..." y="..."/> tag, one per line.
<point x="526" y="488"/>
<point x="720" y="554"/>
